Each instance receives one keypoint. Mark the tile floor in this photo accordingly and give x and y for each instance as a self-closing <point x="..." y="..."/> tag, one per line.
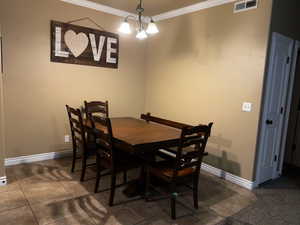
<point x="46" y="193"/>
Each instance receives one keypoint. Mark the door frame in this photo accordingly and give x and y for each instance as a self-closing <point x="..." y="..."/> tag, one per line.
<point x="283" y="129"/>
<point x="288" y="109"/>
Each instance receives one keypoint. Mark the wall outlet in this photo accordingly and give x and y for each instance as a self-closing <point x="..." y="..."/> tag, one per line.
<point x="247" y="107"/>
<point x="67" y="138"/>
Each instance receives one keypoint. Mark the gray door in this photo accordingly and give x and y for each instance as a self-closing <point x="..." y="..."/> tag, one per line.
<point x="275" y="99"/>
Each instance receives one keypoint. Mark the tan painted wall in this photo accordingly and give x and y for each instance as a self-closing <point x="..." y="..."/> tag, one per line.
<point x="201" y="67"/>
<point x="37" y="90"/>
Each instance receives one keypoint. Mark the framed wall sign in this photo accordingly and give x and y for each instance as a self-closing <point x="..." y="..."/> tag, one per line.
<point x="85" y="46"/>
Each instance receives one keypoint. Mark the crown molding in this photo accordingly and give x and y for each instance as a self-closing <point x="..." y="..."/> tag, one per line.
<point x="99" y="7"/>
<point x="163" y="16"/>
<point x="190" y="9"/>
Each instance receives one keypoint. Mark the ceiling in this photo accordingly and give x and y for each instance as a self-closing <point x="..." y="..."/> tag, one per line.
<point x="152" y="7"/>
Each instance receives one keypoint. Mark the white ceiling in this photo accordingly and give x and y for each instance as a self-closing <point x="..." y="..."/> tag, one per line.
<point x="152" y="7"/>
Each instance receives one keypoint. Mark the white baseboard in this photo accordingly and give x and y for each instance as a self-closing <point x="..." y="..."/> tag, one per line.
<point x="228" y="176"/>
<point x="3" y="181"/>
<point x="36" y="158"/>
<point x="54" y="155"/>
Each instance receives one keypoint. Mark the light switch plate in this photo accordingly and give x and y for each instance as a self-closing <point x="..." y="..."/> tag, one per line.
<point x="67" y="138"/>
<point x="247" y="107"/>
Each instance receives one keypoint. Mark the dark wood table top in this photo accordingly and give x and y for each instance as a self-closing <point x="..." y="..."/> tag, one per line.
<point x="134" y="134"/>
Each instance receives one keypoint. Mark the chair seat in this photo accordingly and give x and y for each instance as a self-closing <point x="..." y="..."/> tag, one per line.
<point x="171" y="152"/>
<point x="91" y="149"/>
<point x="165" y="168"/>
<point x="122" y="162"/>
<point x="92" y="146"/>
<point x="169" y="172"/>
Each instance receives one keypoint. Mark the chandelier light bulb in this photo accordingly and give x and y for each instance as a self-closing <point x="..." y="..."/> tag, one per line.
<point x="152" y="28"/>
<point x="141" y="34"/>
<point x="125" y="28"/>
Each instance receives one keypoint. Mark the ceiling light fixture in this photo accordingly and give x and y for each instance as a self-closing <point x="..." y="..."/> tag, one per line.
<point x="141" y="32"/>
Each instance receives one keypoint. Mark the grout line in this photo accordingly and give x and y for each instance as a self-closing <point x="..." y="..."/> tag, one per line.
<point x="74" y="198"/>
<point x="33" y="214"/>
<point x="6" y="210"/>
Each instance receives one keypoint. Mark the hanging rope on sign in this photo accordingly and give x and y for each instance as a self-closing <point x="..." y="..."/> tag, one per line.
<point x="89" y="19"/>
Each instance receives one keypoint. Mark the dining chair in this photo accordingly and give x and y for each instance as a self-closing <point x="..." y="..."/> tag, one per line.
<point x="91" y="109"/>
<point x="186" y="163"/>
<point x="109" y="157"/>
<point x="95" y="108"/>
<point x="79" y="141"/>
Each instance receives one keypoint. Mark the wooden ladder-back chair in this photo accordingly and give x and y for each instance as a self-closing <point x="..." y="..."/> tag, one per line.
<point x="186" y="161"/>
<point x="79" y="139"/>
<point x="108" y="157"/>
<point x="96" y="107"/>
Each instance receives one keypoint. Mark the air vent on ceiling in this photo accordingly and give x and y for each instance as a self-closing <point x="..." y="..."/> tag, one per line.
<point x="245" y="5"/>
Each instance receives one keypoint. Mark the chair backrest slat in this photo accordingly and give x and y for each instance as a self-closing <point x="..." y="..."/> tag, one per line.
<point x="96" y="107"/>
<point x="100" y="120"/>
<point x="78" y="140"/>
<point x="73" y="111"/>
<point x="195" y="137"/>
<point x="103" y="131"/>
<point x="170" y="123"/>
<point x="77" y="129"/>
<point x="76" y="122"/>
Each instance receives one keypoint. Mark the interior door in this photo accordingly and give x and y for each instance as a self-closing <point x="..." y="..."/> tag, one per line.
<point x="295" y="151"/>
<point x="275" y="98"/>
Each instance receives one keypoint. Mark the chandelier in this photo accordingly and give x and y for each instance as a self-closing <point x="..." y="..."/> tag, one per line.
<point x="141" y="32"/>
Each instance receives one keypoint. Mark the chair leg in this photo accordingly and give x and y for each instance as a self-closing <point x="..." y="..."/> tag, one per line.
<point x="83" y="168"/>
<point x="147" y="183"/>
<point x="73" y="161"/>
<point x="125" y="176"/>
<point x="173" y="200"/>
<point x="98" y="173"/>
<point x="112" y="188"/>
<point x="195" y="191"/>
<point x="173" y="206"/>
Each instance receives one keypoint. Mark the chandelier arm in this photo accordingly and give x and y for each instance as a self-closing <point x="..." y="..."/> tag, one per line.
<point x="139" y="18"/>
<point x="133" y="17"/>
<point x="140" y="21"/>
<point x="130" y="16"/>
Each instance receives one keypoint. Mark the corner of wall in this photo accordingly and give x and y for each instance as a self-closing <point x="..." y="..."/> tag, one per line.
<point x="2" y="139"/>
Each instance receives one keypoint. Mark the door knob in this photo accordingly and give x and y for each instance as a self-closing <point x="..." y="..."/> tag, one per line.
<point x="269" y="122"/>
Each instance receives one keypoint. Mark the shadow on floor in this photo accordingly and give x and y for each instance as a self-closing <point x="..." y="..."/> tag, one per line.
<point x="55" y="196"/>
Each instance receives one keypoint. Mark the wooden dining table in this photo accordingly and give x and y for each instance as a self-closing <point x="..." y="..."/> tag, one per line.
<point x="142" y="139"/>
<point x="138" y="136"/>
